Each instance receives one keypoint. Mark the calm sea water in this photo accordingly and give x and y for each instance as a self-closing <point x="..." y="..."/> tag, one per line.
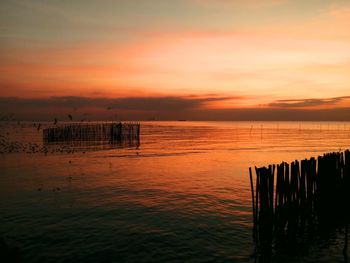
<point x="183" y="195"/>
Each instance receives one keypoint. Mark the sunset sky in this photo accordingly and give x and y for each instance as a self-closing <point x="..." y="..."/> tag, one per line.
<point x="175" y="59"/>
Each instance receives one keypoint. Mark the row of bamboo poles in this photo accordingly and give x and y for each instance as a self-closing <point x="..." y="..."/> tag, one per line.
<point x="289" y="197"/>
<point x="109" y="132"/>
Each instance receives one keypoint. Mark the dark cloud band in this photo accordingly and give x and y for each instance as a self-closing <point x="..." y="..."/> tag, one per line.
<point x="167" y="108"/>
<point x="301" y="103"/>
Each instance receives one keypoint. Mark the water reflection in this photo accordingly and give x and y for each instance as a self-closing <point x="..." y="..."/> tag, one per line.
<point x="182" y="196"/>
<point x="296" y="242"/>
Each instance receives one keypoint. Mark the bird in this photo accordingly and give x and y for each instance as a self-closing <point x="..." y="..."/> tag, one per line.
<point x="55" y="121"/>
<point x="70" y="117"/>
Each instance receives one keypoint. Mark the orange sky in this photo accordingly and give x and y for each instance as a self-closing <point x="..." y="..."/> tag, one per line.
<point x="229" y="54"/>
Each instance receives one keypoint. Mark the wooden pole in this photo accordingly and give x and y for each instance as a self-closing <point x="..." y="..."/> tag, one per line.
<point x="253" y="200"/>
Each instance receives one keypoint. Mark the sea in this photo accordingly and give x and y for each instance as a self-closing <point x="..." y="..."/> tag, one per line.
<point x="180" y="194"/>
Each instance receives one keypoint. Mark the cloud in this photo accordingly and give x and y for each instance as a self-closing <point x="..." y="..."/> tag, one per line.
<point x="239" y="3"/>
<point x="170" y="103"/>
<point x="191" y="107"/>
<point x="63" y="105"/>
<point x="302" y="103"/>
<point x="273" y="114"/>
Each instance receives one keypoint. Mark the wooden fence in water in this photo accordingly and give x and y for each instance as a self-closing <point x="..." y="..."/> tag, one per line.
<point x="109" y="132"/>
<point x="289" y="200"/>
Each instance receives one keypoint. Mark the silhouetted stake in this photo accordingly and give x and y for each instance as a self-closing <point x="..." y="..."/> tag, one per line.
<point x="313" y="192"/>
<point x="253" y="200"/>
<point x="257" y="197"/>
<point x="271" y="177"/>
<point x="302" y="184"/>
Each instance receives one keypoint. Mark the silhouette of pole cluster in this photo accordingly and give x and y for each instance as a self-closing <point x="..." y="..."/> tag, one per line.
<point x="290" y="201"/>
<point x="110" y="132"/>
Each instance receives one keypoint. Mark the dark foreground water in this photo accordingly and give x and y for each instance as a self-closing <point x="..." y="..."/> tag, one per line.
<point x="181" y="196"/>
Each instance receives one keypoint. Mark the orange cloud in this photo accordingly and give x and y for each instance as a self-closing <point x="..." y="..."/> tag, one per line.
<point x="239" y="3"/>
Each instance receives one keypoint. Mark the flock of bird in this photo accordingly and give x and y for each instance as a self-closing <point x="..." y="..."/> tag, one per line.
<point x="8" y="145"/>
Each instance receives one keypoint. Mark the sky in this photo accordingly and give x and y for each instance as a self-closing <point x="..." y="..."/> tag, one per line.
<point x="175" y="59"/>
